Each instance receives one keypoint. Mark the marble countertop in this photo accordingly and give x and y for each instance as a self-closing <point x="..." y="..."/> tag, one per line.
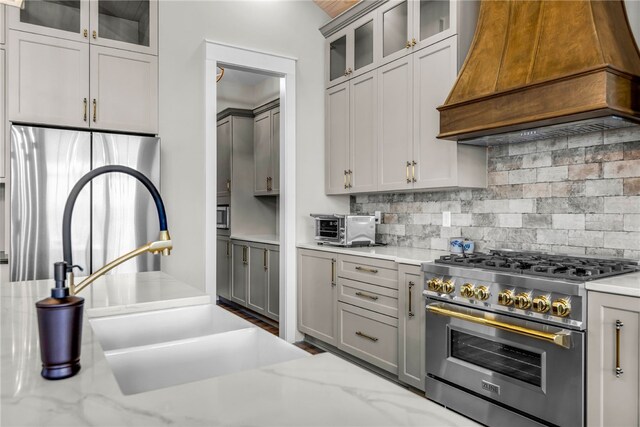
<point x="624" y="284"/>
<point x="398" y="254"/>
<point x="269" y="239"/>
<point x="321" y="390"/>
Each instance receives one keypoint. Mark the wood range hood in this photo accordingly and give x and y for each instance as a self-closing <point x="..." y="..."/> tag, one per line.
<point x="545" y="69"/>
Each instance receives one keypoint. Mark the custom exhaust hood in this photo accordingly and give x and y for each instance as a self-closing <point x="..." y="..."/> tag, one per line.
<point x="544" y="69"/>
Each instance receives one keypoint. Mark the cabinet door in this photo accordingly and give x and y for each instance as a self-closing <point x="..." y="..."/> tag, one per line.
<point x="337" y="57"/>
<point x="364" y="142"/>
<point x="275" y="151"/>
<point x="224" y="157"/>
<point x="239" y="272"/>
<point x="395" y="31"/>
<point x="124" y="90"/>
<point x="273" y="300"/>
<point x="63" y="19"/>
<point x="395" y="103"/>
<point x="48" y="80"/>
<point x="2" y="26"/>
<point x="258" y="275"/>
<point x="317" y="298"/>
<point x="337" y="139"/>
<point x="613" y="400"/>
<point x="125" y="24"/>
<point x="434" y="72"/>
<point x="3" y="119"/>
<point x="411" y="327"/>
<point x="366" y="52"/>
<point x="223" y="267"/>
<point x="433" y="20"/>
<point x="261" y="153"/>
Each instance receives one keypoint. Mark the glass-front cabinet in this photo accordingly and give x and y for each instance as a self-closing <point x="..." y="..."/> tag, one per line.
<point x="352" y="51"/>
<point x="124" y="24"/>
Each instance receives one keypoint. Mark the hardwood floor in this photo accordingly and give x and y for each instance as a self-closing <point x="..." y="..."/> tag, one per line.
<point x="272" y="328"/>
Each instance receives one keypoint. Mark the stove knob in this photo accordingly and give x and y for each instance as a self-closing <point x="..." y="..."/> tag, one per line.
<point x="561" y="307"/>
<point x="505" y="297"/>
<point x="541" y="304"/>
<point x="434" y="284"/>
<point x="467" y="290"/>
<point x="522" y="301"/>
<point x="448" y="287"/>
<point x="482" y="293"/>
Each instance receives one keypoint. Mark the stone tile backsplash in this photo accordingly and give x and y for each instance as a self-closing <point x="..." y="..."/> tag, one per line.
<point x="577" y="195"/>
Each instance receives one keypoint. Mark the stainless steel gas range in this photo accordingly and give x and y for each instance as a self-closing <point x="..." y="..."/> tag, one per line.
<point x="506" y="335"/>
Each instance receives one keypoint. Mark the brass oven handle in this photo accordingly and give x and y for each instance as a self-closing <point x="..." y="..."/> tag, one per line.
<point x="95" y="108"/>
<point x="369" y="337"/>
<point x="333" y="272"/>
<point x="362" y="294"/>
<point x="561" y="339"/>
<point x="411" y="313"/>
<point x="408" y="179"/>
<point x="619" y="370"/>
<point x="264" y="260"/>
<point x="368" y="270"/>
<point x="84" y="116"/>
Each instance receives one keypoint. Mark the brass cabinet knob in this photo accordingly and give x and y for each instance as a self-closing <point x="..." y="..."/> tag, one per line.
<point x="561" y="307"/>
<point x="94" y="34"/>
<point x="413" y="42"/>
<point x="448" y="287"/>
<point x="408" y="45"/>
<point x="541" y="304"/>
<point x="505" y="298"/>
<point x="434" y="284"/>
<point x="482" y="293"/>
<point x="522" y="301"/>
<point x="467" y="290"/>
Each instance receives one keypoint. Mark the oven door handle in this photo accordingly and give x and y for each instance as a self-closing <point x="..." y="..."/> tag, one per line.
<point x="563" y="338"/>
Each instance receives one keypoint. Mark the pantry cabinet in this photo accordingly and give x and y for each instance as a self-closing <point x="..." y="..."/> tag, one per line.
<point x="613" y="366"/>
<point x="264" y="295"/>
<point x="411" y="327"/>
<point x="317" y="296"/>
<point x="239" y="272"/>
<point x="223" y="267"/>
<point x="266" y="150"/>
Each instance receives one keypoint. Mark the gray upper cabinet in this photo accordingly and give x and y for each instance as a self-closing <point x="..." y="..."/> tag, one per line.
<point x="63" y="19"/>
<point x="266" y="153"/>
<point x="317" y="295"/>
<point x="224" y="157"/>
<point x="337" y="139"/>
<point x="125" y="24"/>
<point x="411" y="327"/>
<point x="613" y="366"/>
<point x="3" y="117"/>
<point x="395" y="17"/>
<point x="2" y="26"/>
<point x="223" y="267"/>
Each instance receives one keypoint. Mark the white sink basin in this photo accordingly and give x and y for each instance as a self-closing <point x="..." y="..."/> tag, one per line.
<point x="152" y="327"/>
<point x="157" y="349"/>
<point x="157" y="366"/>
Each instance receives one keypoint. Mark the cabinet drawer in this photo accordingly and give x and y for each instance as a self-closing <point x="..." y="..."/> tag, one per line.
<point x="370" y="336"/>
<point x="369" y="270"/>
<point x="376" y="298"/>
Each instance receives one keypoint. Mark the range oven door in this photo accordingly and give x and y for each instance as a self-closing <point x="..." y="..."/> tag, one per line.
<point x="529" y="367"/>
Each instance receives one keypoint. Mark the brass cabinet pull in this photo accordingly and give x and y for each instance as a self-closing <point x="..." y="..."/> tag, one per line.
<point x="563" y="339"/>
<point x="84" y="116"/>
<point x="345" y="180"/>
<point x="95" y="109"/>
<point x="368" y="270"/>
<point x="85" y="33"/>
<point x="413" y="171"/>
<point x="362" y="294"/>
<point x="228" y="248"/>
<point x="619" y="370"/>
<point x="264" y="260"/>
<point x="350" y="175"/>
<point x="411" y="313"/>
<point x="333" y="272"/>
<point x="413" y="42"/>
<point x="408" y="178"/>
<point x="94" y="34"/>
<point x="244" y="255"/>
<point x="369" y="337"/>
<point x="228" y="185"/>
<point x="408" y="45"/>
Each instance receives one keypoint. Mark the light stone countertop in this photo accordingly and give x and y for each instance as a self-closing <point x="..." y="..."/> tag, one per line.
<point x="401" y="255"/>
<point x="269" y="239"/>
<point x="321" y="390"/>
<point x="624" y="284"/>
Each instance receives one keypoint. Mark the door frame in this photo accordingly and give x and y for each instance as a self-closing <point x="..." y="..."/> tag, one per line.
<point x="285" y="68"/>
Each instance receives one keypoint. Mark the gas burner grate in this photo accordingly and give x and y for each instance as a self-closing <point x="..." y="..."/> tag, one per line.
<point x="547" y="265"/>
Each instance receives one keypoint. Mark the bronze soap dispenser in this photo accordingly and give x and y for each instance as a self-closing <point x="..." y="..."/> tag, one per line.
<point x="60" y="327"/>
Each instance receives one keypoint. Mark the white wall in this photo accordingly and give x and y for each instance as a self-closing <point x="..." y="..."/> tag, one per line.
<point x="284" y="27"/>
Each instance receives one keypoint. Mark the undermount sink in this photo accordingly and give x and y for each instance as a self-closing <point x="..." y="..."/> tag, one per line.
<point x="148" y="351"/>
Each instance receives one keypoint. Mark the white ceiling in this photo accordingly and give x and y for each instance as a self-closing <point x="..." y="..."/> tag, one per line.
<point x="245" y="78"/>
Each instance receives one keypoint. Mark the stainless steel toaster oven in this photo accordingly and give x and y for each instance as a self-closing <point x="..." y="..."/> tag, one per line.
<point x="345" y="230"/>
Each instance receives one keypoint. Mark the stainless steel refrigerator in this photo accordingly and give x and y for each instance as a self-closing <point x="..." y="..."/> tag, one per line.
<point x="113" y="215"/>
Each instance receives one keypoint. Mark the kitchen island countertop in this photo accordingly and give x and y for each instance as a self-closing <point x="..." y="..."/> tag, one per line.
<point x="321" y="390"/>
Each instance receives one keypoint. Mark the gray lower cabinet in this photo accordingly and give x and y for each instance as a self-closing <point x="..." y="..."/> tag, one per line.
<point x="239" y="272"/>
<point x="317" y="296"/>
<point x="223" y="267"/>
<point x="613" y="341"/>
<point x="264" y="280"/>
<point x="411" y="327"/>
<point x="273" y="284"/>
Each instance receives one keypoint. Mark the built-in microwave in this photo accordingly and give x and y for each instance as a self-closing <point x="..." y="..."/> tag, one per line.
<point x="223" y="217"/>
